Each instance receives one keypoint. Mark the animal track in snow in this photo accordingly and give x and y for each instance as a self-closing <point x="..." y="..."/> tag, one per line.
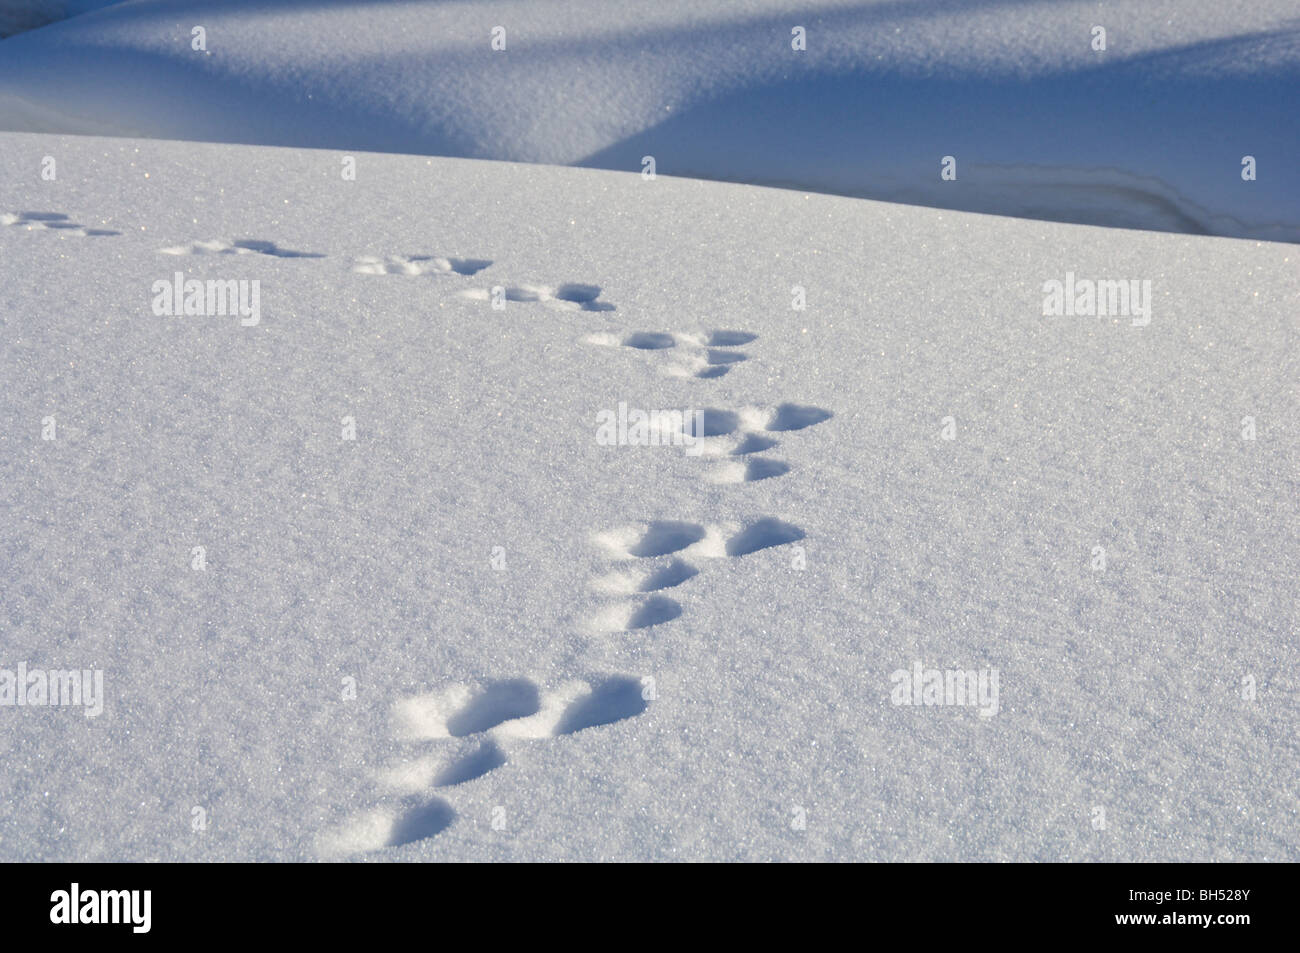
<point x="795" y="417"/>
<point x="728" y="338"/>
<point x="604" y="703"/>
<point x="645" y="579"/>
<point x="751" y="443"/>
<point x="709" y="354"/>
<point x="763" y="534"/>
<point x="654" y="542"/>
<point x="514" y="708"/>
<point x="466" y="714"/>
<point x="705" y="354"/>
<point x="469" y="724"/>
<point x="388" y="826"/>
<point x="573" y="296"/>
<point x="747" y="471"/>
<point x="242" y="246"/>
<point x="55" y="221"/>
<point x="744" y="433"/>
<point x="419" y="265"/>
<point x="626" y="617"/>
<point x="660" y="548"/>
<point x="649" y="341"/>
<point x="715" y="432"/>
<point x="648" y="541"/>
<point x="657" y="538"/>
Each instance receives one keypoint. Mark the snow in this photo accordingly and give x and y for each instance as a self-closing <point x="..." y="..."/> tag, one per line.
<point x="372" y="559"/>
<point x="1150" y="132"/>
<point x="17" y="16"/>
<point x="533" y="519"/>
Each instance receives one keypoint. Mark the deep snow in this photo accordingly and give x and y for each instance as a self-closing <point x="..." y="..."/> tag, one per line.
<point x="17" y="16"/>
<point x="502" y="713"/>
<point x="1150" y="132"/>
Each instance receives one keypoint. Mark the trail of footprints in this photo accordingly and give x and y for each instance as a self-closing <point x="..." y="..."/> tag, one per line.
<point x="568" y="296"/>
<point x="707" y="355"/>
<point x="241" y="246"/>
<point x="55" y="221"/>
<point x="738" y="435"/>
<point x="419" y="265"/>
<point x="464" y="732"/>
<point x="661" y="555"/>
<point x="461" y="733"/>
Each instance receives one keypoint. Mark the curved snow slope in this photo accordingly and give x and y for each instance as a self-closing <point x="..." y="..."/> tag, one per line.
<point x="1150" y="133"/>
<point x="17" y="16"/>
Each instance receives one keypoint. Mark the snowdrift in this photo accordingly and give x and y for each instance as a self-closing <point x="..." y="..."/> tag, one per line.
<point x="1039" y="121"/>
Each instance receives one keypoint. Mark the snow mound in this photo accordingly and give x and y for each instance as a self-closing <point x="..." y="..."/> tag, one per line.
<point x="863" y="99"/>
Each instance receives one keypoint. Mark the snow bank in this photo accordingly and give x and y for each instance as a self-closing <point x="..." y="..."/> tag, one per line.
<point x="1150" y="132"/>
<point x="17" y="16"/>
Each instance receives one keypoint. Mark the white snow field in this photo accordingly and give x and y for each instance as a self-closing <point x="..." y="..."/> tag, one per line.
<point x="1040" y="121"/>
<point x="478" y="631"/>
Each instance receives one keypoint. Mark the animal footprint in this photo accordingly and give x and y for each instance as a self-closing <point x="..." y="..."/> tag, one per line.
<point x="602" y="703"/>
<point x="243" y="246"/>
<point x="659" y="548"/>
<point x="653" y="543"/>
<point x="566" y="297"/>
<point x="54" y="221"/>
<point x="751" y="443"/>
<point x="763" y="534"/>
<point x="728" y="338"/>
<point x="710" y="354"/>
<point x="645" y="579"/>
<point x="389" y="826"/>
<point x="714" y="432"/>
<point x="484" y="716"/>
<point x="705" y="355"/>
<point x="747" y="471"/>
<point x="663" y="537"/>
<point x="640" y="615"/>
<point x="748" y="437"/>
<point x="439" y="772"/>
<point x="419" y="265"/>
<point x="515" y="708"/>
<point x="460" y="711"/>
<point x="795" y="417"/>
<point x="711" y="422"/>
<point x="469" y="725"/>
<point x="657" y="538"/>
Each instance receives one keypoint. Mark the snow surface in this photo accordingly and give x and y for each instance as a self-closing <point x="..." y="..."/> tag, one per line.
<point x="503" y="713"/>
<point x="19" y="15"/>
<point x="1149" y="133"/>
